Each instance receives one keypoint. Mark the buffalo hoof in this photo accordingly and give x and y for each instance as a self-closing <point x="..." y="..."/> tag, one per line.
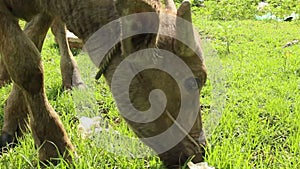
<point x="7" y="141"/>
<point x="176" y="157"/>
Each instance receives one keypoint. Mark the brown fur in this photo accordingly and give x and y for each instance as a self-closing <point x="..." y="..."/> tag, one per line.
<point x="4" y="76"/>
<point x="23" y="63"/>
<point x="16" y="117"/>
<point x="68" y="66"/>
<point x="69" y="69"/>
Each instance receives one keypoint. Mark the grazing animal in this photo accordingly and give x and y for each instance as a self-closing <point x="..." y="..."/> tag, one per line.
<point x="22" y="60"/>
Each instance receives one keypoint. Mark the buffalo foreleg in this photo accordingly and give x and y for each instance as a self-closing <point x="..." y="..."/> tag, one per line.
<point x="23" y="62"/>
<point x="36" y="30"/>
<point x="16" y="117"/>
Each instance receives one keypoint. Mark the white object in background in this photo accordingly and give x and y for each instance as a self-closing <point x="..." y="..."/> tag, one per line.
<point x="262" y="5"/>
<point x="89" y="125"/>
<point x="74" y="41"/>
<point x="202" y="165"/>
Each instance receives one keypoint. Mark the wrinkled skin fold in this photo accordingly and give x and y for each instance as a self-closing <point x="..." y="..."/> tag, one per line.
<point x="21" y="57"/>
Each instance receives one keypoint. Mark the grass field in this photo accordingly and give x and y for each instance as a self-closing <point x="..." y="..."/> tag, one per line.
<point x="251" y="103"/>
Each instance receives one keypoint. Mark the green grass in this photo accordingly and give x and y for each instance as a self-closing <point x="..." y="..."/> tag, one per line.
<point x="258" y="83"/>
<point x="259" y="127"/>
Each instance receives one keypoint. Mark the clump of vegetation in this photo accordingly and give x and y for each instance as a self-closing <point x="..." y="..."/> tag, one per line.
<point x="241" y="9"/>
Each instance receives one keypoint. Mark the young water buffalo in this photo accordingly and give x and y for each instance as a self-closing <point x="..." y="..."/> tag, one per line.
<point x="156" y="34"/>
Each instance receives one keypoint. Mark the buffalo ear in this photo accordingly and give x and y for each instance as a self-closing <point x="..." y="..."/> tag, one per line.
<point x="127" y="7"/>
<point x="170" y="5"/>
<point x="184" y="30"/>
<point x="138" y="16"/>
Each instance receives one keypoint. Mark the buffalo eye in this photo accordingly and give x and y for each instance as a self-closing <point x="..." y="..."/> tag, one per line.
<point x="192" y="84"/>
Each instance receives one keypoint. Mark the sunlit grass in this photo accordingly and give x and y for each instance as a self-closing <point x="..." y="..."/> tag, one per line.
<point x="259" y="126"/>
